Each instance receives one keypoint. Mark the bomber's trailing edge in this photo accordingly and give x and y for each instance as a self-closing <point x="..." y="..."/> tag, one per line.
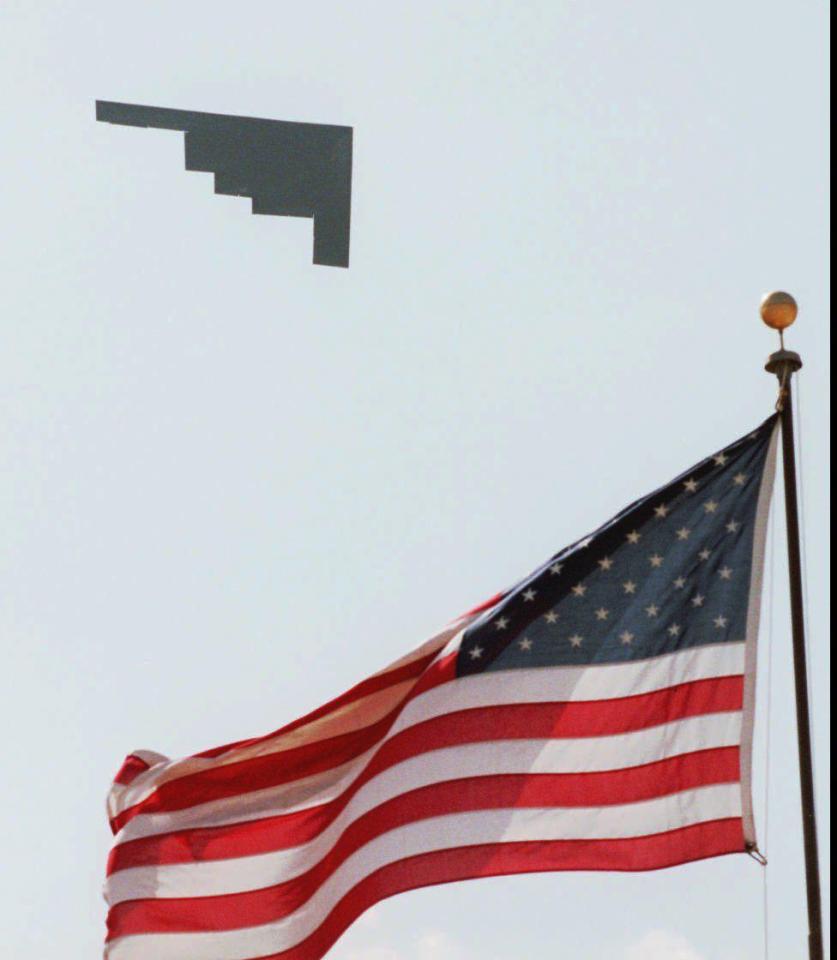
<point x="288" y="169"/>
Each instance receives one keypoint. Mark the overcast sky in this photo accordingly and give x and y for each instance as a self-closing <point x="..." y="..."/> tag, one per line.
<point x="233" y="483"/>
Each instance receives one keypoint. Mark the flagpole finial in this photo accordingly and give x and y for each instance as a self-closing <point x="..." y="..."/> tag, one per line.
<point x="778" y="310"/>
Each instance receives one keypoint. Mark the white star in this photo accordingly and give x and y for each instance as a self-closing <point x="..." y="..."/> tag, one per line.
<point x="551" y="617"/>
<point x="586" y="542"/>
<point x="662" y="511"/>
<point x="525" y="644"/>
<point x="576" y="640"/>
<point x="629" y="586"/>
<point x="739" y="479"/>
<point x="529" y="594"/>
<point x="705" y="554"/>
<point x="725" y="573"/>
<point x="476" y="653"/>
<point x="683" y="533"/>
<point x="674" y="630"/>
<point x="691" y="486"/>
<point x="626" y="637"/>
<point x="501" y="623"/>
<point x="605" y="563"/>
<point x="721" y="622"/>
<point x="653" y="610"/>
<point x="556" y="568"/>
<point x="634" y="537"/>
<point x="733" y="526"/>
<point x="602" y="613"/>
<point x="710" y="506"/>
<point x="721" y="459"/>
<point x="697" y="600"/>
<point x="680" y="582"/>
<point x="655" y="560"/>
<point x="579" y="590"/>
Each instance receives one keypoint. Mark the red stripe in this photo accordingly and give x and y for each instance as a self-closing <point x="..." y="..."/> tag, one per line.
<point x="130" y="770"/>
<point x="485" y="605"/>
<point x="458" y="863"/>
<point x="509" y="722"/>
<point x="284" y="766"/>
<point x="363" y="689"/>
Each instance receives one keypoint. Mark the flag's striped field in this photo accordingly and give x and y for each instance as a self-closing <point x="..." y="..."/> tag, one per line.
<point x="602" y="754"/>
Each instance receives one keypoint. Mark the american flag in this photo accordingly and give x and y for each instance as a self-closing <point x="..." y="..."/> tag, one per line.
<point x="596" y="716"/>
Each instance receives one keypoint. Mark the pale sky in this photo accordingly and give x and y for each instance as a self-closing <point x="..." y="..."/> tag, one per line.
<point x="233" y="483"/>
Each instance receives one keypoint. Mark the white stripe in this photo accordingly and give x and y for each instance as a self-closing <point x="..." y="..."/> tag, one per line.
<point x="605" y="681"/>
<point x="540" y="685"/>
<point x="573" y="755"/>
<point x="440" y="833"/>
<point x="350" y="718"/>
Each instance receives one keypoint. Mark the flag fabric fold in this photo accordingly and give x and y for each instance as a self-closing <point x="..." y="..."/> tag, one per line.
<point x="596" y="716"/>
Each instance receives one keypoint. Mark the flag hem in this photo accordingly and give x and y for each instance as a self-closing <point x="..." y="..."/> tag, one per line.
<point x="751" y="639"/>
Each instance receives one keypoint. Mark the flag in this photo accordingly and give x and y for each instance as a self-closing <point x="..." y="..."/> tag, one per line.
<point x="596" y="716"/>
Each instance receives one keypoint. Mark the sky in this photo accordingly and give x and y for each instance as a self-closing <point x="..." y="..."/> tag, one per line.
<point x="233" y="483"/>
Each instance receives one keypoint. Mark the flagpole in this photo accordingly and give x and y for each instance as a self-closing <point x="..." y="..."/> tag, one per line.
<point x="778" y="310"/>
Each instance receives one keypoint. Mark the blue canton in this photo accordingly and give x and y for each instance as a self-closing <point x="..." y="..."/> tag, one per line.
<point x="669" y="572"/>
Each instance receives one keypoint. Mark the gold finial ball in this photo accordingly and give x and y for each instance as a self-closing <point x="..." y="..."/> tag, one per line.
<point x="778" y="310"/>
